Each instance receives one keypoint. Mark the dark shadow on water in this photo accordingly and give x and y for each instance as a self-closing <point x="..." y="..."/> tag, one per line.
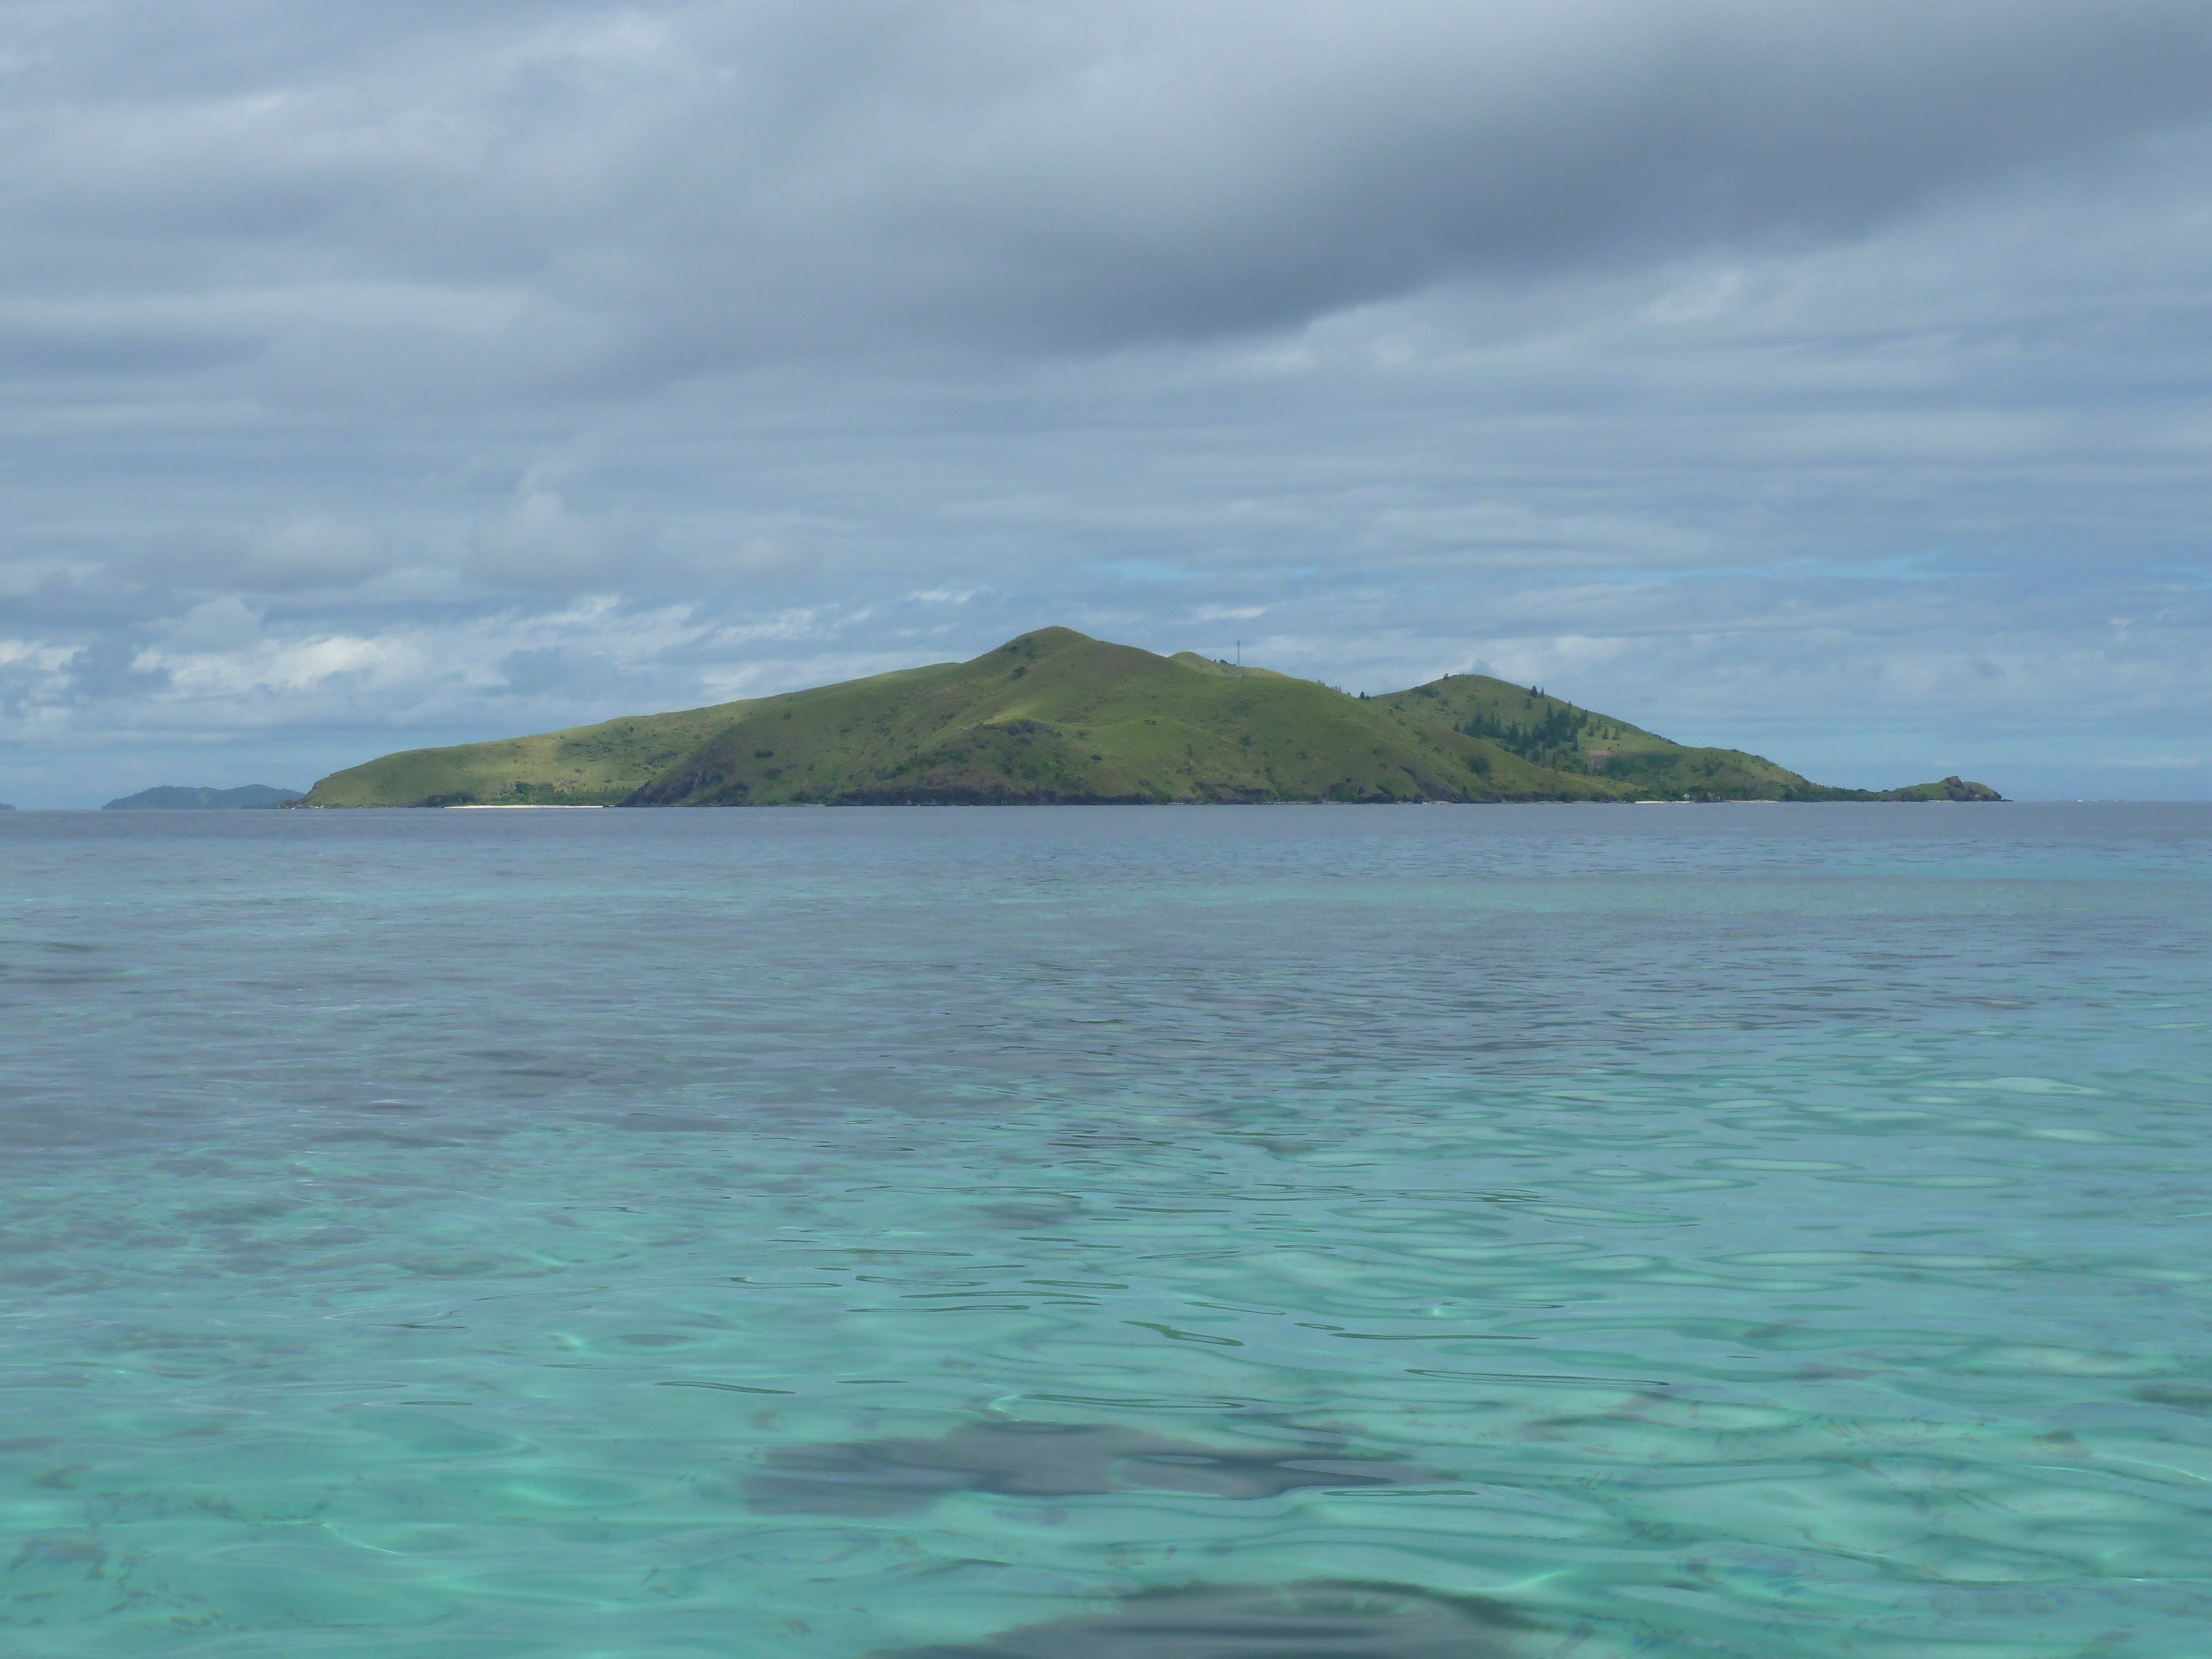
<point x="1312" y="1618"/>
<point x="2182" y="1396"/>
<point x="1043" y="1460"/>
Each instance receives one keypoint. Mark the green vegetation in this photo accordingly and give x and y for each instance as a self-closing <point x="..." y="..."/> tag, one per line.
<point x="586" y="766"/>
<point x="1951" y="788"/>
<point x="1640" y="765"/>
<point x="1055" y="716"/>
<point x="184" y="798"/>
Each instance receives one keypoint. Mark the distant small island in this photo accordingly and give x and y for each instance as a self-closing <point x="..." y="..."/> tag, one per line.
<point x="186" y="797"/>
<point x="1057" y="718"/>
<point x="1951" y="788"/>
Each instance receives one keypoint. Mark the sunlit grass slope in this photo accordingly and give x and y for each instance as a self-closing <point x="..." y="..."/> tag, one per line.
<point x="584" y="766"/>
<point x="1056" y="716"/>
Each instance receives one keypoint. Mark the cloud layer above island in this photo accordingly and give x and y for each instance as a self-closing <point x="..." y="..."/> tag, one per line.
<point x="1825" y="380"/>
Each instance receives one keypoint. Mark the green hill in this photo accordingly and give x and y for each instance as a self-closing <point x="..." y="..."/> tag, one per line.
<point x="1555" y="733"/>
<point x="170" y="797"/>
<point x="1642" y="765"/>
<point x="1055" y="716"/>
<point x="1951" y="788"/>
<point x="587" y="765"/>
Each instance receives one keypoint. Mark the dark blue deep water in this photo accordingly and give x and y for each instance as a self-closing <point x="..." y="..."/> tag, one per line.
<point x="1264" y="1233"/>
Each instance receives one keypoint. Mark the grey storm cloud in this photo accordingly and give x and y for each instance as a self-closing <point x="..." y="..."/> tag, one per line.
<point x="306" y="551"/>
<point x="547" y="669"/>
<point x="107" y="668"/>
<point x="508" y="197"/>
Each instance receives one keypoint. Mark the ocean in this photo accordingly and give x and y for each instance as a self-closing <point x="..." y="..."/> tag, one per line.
<point x="1777" y="1232"/>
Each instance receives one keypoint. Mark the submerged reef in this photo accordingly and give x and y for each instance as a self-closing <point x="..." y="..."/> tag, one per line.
<point x="1311" y="1618"/>
<point x="1044" y="1460"/>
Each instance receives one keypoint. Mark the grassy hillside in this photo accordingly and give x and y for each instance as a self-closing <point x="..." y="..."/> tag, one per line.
<point x="588" y="764"/>
<point x="1639" y="765"/>
<point x="1056" y="716"/>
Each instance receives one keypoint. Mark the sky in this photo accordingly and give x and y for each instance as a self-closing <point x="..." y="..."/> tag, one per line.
<point x="1824" y="380"/>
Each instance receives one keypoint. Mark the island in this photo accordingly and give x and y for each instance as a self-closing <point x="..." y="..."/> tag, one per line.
<point x="188" y="798"/>
<point x="1054" y="717"/>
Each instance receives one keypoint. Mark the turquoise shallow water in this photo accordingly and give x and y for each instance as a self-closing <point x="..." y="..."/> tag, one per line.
<point x="1592" y="1231"/>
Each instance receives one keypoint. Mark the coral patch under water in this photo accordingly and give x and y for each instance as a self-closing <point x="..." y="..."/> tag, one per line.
<point x="1312" y="1618"/>
<point x="1043" y="1460"/>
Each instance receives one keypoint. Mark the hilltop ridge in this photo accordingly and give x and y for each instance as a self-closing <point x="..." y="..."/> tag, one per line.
<point x="1056" y="716"/>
